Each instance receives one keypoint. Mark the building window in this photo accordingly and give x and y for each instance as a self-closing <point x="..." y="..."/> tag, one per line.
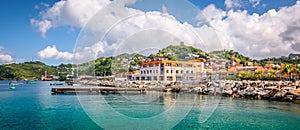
<point x="161" y="78"/>
<point x="168" y="64"/>
<point x="144" y="66"/>
<point x="169" y="78"/>
<point x="171" y="71"/>
<point x="157" y="71"/>
<point x="150" y="71"/>
<point x="181" y="72"/>
<point x="156" y="64"/>
<point x="187" y="71"/>
<point x="179" y="65"/>
<point x="167" y="71"/>
<point x="177" y="71"/>
<point x="189" y="65"/>
<point x="150" y="65"/>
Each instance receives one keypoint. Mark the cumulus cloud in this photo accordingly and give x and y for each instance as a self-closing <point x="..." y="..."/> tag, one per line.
<point x="51" y="52"/>
<point x="4" y="57"/>
<point x="139" y="28"/>
<point x="210" y="13"/>
<point x="274" y="33"/>
<point x="73" y="13"/>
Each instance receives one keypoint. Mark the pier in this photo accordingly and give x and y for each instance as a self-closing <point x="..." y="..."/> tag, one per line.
<point x="61" y="90"/>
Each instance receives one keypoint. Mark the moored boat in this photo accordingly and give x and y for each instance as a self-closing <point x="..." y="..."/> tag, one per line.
<point x="12" y="85"/>
<point x="54" y="84"/>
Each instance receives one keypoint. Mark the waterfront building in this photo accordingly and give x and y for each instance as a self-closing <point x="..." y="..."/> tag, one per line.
<point x="167" y="70"/>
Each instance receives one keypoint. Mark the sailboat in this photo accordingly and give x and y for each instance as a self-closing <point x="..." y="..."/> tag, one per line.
<point x="12" y="85"/>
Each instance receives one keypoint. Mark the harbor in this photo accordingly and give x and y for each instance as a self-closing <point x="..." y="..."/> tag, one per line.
<point x="33" y="106"/>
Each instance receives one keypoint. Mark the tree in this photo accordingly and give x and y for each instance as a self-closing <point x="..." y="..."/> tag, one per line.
<point x="297" y="70"/>
<point x="258" y="74"/>
<point x="288" y="69"/>
<point x="272" y="74"/>
<point x="244" y="75"/>
<point x="6" y="73"/>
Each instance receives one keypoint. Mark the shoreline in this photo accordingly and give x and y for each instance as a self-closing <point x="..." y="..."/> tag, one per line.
<point x="285" y="91"/>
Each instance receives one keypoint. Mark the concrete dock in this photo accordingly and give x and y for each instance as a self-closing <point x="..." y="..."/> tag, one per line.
<point x="61" y="90"/>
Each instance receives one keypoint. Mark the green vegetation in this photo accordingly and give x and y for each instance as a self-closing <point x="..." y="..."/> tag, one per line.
<point x="180" y="52"/>
<point x="227" y="55"/>
<point x="32" y="70"/>
<point x="105" y="66"/>
<point x="63" y="70"/>
<point x="281" y="60"/>
<point x="258" y="75"/>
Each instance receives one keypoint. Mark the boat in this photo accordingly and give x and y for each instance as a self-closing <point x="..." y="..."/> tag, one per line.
<point x="31" y="82"/>
<point x="54" y="84"/>
<point x="12" y="84"/>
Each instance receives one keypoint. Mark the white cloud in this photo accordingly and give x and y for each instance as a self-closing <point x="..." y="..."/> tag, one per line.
<point x="272" y="34"/>
<point x="73" y="13"/>
<point x="51" y="52"/>
<point x="275" y="33"/>
<point x="4" y="57"/>
<point x="233" y="4"/>
<point x="255" y="2"/>
<point x="43" y="25"/>
<point x="211" y="13"/>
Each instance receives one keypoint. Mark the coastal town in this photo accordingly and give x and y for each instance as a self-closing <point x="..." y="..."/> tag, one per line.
<point x="229" y="78"/>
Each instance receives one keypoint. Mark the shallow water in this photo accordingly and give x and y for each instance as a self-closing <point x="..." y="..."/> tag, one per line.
<point x="31" y="106"/>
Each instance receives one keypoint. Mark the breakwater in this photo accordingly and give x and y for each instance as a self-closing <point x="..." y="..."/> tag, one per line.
<point x="287" y="91"/>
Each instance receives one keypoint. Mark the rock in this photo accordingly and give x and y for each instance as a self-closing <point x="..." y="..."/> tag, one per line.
<point x="235" y="95"/>
<point x="227" y="93"/>
<point x="288" y="98"/>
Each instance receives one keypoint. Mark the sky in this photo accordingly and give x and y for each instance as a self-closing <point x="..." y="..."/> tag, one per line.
<point x="55" y="32"/>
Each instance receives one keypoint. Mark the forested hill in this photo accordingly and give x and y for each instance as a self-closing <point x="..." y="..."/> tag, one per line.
<point x="31" y="70"/>
<point x="228" y="55"/>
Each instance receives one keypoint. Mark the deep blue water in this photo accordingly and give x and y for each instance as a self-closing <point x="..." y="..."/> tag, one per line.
<point x="31" y="106"/>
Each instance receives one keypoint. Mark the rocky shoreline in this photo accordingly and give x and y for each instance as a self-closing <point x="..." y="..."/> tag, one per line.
<point x="286" y="91"/>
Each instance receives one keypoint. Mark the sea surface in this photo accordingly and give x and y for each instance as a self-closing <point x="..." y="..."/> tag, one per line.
<point x="32" y="106"/>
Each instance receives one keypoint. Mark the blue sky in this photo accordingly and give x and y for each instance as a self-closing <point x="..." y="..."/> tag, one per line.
<point x="21" y="35"/>
<point x="22" y="40"/>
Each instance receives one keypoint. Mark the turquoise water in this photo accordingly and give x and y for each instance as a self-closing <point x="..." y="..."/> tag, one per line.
<point x="33" y="107"/>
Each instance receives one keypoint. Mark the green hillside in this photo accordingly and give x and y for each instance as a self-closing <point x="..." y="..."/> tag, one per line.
<point x="31" y="70"/>
<point x="180" y="52"/>
<point x="227" y="55"/>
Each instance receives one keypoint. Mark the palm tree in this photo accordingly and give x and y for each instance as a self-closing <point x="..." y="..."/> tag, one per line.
<point x="297" y="70"/>
<point x="258" y="74"/>
<point x="272" y="74"/>
<point x="244" y="75"/>
<point x="288" y="69"/>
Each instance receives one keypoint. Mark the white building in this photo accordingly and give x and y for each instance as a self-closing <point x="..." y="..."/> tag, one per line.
<point x="166" y="70"/>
